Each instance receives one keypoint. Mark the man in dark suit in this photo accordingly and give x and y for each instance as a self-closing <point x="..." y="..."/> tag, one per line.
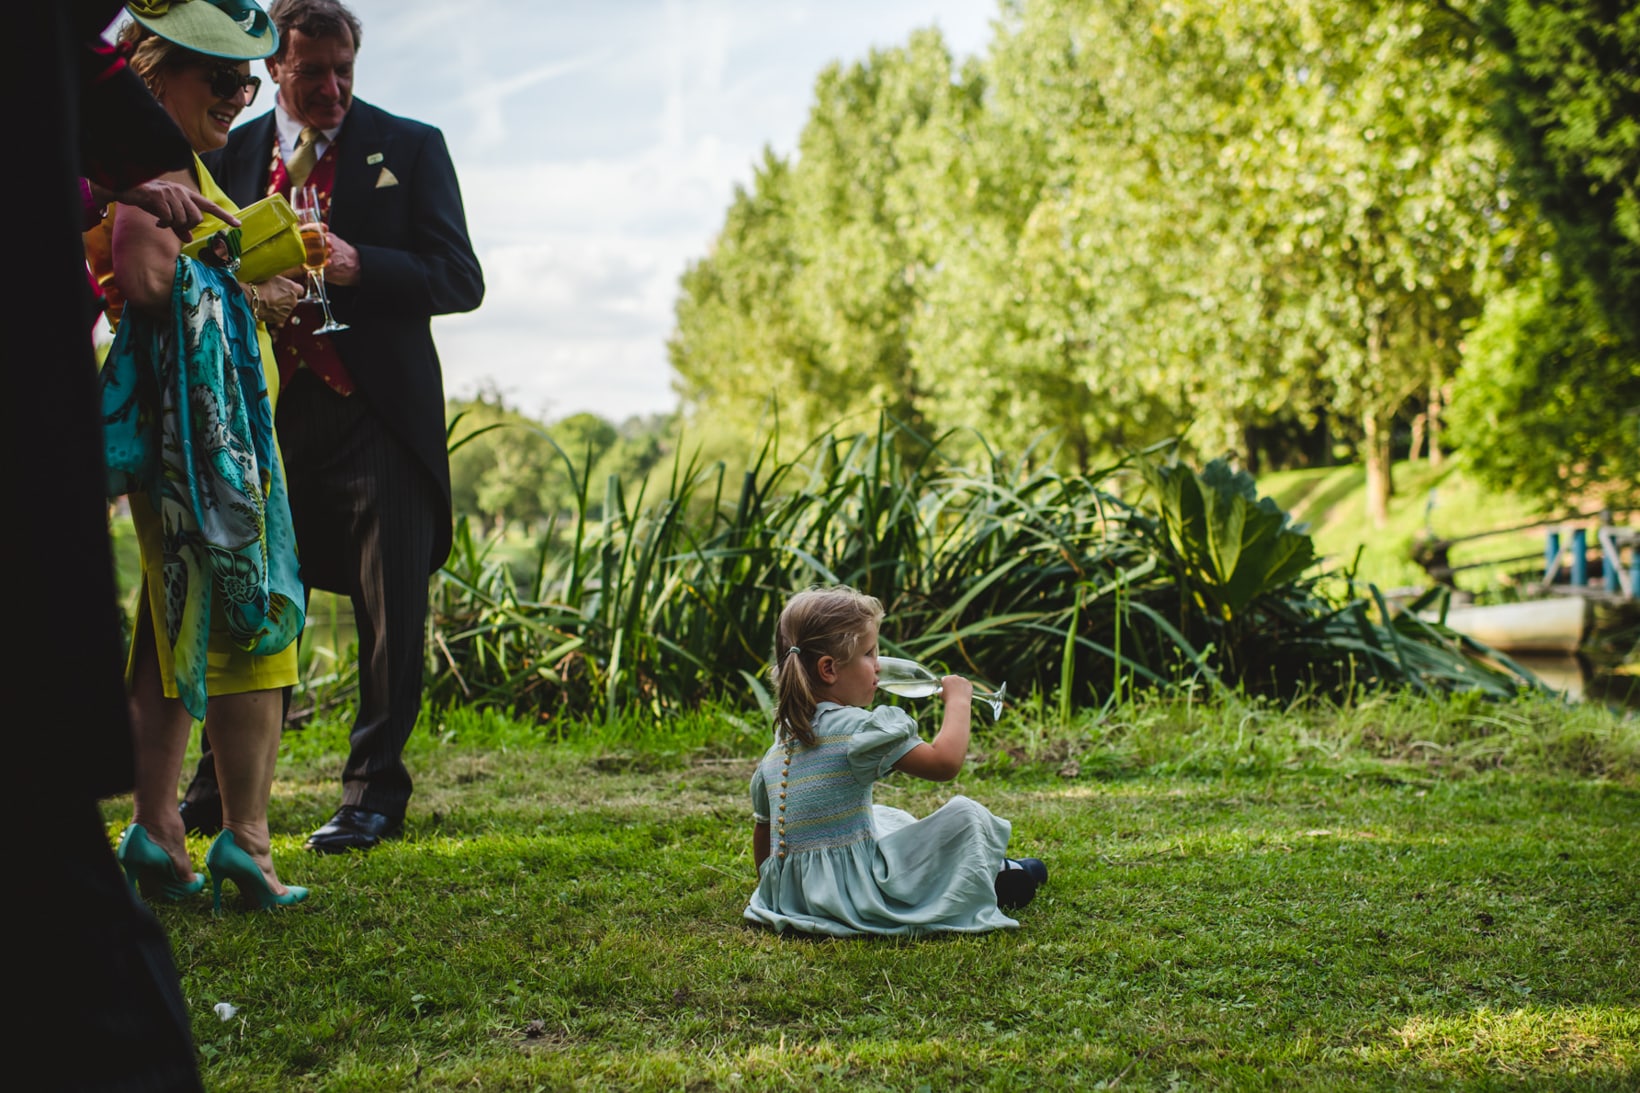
<point x="361" y="414"/>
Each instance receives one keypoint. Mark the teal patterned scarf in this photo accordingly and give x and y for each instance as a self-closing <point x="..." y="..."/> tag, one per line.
<point x="187" y="423"/>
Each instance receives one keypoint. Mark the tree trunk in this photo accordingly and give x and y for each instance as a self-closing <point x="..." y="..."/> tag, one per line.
<point x="1417" y="447"/>
<point x="1375" y="454"/>
<point x="1375" y="427"/>
<point x="1249" y="450"/>
<point x="1437" y="403"/>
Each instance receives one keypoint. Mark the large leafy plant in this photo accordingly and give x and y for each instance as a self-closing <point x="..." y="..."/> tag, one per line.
<point x="1230" y="546"/>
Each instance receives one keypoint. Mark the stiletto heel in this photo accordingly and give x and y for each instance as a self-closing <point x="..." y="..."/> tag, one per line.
<point x="150" y="869"/>
<point x="225" y="861"/>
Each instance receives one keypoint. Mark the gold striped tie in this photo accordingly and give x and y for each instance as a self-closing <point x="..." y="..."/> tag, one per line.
<point x="302" y="160"/>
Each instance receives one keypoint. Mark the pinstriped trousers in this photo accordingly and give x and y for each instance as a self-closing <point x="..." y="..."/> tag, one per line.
<point x="364" y="509"/>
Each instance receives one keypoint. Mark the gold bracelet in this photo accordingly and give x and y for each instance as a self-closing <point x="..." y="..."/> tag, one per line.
<point x="256" y="301"/>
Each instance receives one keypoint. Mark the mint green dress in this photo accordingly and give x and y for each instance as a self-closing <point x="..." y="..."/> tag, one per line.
<point x="842" y="866"/>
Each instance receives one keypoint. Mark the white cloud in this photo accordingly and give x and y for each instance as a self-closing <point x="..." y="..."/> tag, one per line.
<point x="487" y="99"/>
<point x="598" y="147"/>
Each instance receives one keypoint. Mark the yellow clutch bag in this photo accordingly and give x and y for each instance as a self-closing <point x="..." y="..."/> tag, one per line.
<point x="265" y="243"/>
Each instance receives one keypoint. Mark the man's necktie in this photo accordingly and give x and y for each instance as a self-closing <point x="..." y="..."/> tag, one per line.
<point x="302" y="160"/>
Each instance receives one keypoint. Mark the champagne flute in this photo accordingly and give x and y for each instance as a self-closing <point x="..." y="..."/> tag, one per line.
<point x="310" y="222"/>
<point x="312" y="234"/>
<point x="908" y="679"/>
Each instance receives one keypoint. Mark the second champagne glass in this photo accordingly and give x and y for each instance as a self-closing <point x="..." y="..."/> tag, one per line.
<point x="310" y="222"/>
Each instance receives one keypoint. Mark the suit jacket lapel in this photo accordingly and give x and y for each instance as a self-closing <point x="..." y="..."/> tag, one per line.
<point x="250" y="171"/>
<point x="360" y="140"/>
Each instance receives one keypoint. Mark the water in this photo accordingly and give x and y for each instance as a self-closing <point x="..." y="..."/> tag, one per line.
<point x="1582" y="681"/>
<point x="909" y="679"/>
<point x="1562" y="673"/>
<point x="910" y="688"/>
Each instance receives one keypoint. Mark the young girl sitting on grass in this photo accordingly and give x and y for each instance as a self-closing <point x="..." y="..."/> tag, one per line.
<point x="833" y="862"/>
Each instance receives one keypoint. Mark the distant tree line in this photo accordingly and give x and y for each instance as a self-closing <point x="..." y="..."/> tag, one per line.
<point x="1285" y="229"/>
<point x="510" y="470"/>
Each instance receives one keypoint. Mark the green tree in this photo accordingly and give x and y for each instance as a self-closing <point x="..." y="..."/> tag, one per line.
<point x="1406" y="187"/>
<point x="508" y="468"/>
<point x="1132" y="218"/>
<point x="805" y="305"/>
<point x="1548" y="401"/>
<point x="640" y="445"/>
<point x="1550" y="397"/>
<point x="472" y="424"/>
<point x="1025" y="326"/>
<point x="498" y="462"/>
<point x="740" y="348"/>
<point x="1227" y="215"/>
<point x="1569" y="76"/>
<point x="582" y="442"/>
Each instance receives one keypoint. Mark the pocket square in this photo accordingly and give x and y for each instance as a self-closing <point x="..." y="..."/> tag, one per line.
<point x="386" y="179"/>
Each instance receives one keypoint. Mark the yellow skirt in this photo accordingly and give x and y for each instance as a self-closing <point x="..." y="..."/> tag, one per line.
<point x="229" y="670"/>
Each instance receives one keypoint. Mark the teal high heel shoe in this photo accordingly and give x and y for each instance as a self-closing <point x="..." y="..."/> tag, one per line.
<point x="150" y="869"/>
<point x="225" y="861"/>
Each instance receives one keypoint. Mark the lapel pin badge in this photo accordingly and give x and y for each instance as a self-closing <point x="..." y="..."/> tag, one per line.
<point x="374" y="158"/>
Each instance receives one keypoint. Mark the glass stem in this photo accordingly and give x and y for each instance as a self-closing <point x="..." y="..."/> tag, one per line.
<point x="324" y="297"/>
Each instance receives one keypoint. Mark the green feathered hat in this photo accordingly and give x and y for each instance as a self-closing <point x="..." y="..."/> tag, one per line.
<point x="236" y="29"/>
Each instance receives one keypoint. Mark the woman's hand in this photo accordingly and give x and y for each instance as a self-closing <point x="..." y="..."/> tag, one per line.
<point x="273" y="300"/>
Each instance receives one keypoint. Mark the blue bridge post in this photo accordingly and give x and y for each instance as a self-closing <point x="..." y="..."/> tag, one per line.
<point x="1580" y="557"/>
<point x="1611" y="554"/>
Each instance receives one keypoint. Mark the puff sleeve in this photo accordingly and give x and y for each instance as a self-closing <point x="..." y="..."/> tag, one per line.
<point x="760" y="796"/>
<point x="880" y="741"/>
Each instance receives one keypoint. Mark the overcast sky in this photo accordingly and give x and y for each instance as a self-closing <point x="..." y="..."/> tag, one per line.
<point x="598" y="144"/>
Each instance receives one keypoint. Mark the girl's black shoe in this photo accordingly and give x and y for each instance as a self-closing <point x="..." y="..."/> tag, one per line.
<point x="202" y="816"/>
<point x="1016" y="885"/>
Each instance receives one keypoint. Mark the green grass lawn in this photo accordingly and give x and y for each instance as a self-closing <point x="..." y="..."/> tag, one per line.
<point x="1394" y="895"/>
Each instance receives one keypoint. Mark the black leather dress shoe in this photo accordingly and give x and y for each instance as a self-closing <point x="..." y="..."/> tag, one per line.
<point x="354" y="828"/>
<point x="203" y="816"/>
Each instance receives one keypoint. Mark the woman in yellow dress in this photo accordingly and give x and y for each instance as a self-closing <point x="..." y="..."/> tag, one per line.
<point x="216" y="639"/>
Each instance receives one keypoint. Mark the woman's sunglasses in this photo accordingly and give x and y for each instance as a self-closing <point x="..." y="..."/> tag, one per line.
<point x="227" y="82"/>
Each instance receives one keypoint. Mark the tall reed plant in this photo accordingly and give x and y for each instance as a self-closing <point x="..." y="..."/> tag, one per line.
<point x="1143" y="574"/>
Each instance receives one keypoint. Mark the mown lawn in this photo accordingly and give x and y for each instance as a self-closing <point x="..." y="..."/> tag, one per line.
<point x="1397" y="895"/>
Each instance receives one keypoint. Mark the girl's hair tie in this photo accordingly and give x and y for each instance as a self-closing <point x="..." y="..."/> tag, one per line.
<point x="793" y="649"/>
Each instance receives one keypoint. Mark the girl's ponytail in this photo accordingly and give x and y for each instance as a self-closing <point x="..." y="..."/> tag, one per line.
<point x="794" y="696"/>
<point x="820" y="622"/>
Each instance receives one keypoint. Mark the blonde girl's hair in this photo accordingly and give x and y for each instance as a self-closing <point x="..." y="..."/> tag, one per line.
<point x="819" y="622"/>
